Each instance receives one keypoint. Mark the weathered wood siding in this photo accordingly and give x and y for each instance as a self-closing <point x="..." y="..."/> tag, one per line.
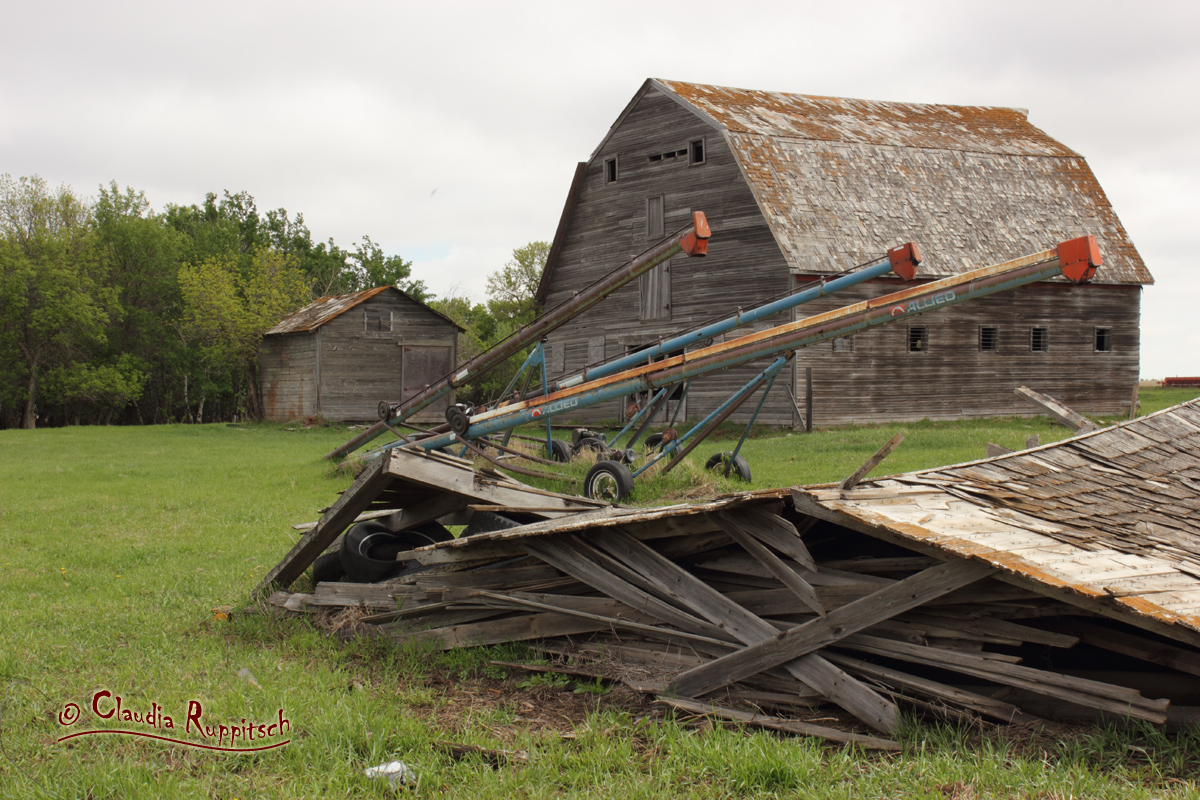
<point x="385" y="348"/>
<point x="953" y="378"/>
<point x="743" y="268"/>
<point x="287" y="375"/>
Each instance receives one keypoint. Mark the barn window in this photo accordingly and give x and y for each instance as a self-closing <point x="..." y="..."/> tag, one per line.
<point x="844" y="344"/>
<point x="696" y="151"/>
<point x="654" y="217"/>
<point x="918" y="338"/>
<point x="989" y="338"/>
<point x="610" y="170"/>
<point x="1039" y="339"/>
<point x="1103" y="340"/>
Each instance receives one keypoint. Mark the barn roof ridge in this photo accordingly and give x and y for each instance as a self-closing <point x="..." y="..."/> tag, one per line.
<point x="328" y="307"/>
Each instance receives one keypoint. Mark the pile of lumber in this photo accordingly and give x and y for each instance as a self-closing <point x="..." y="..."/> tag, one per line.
<point x="745" y="609"/>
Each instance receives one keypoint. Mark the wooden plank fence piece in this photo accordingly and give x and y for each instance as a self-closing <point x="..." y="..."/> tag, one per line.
<point x="781" y="648"/>
<point x="779" y="724"/>
<point x="1076" y="422"/>
<point x="731" y="524"/>
<point x="846" y="691"/>
<point x="1032" y="442"/>
<point x="871" y="463"/>
<point x="353" y="502"/>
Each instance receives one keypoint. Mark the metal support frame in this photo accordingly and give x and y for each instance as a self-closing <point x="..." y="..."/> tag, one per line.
<point x="750" y="424"/>
<point x="718" y="415"/>
<point x="650" y="409"/>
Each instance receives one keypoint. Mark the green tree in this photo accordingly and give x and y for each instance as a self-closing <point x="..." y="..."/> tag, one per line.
<point x="53" y="301"/>
<point x="376" y="269"/>
<point x="225" y="313"/>
<point x="512" y="288"/>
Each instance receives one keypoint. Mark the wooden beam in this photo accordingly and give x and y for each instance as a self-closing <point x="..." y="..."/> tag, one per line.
<point x="365" y="488"/>
<point x="1165" y="655"/>
<point x="848" y="692"/>
<point x="781" y="648"/>
<point x="732" y="525"/>
<point x="1076" y="422"/>
<point x="779" y="724"/>
<point x="872" y="462"/>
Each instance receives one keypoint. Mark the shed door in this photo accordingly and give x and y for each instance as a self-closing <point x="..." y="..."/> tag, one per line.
<point x="424" y="365"/>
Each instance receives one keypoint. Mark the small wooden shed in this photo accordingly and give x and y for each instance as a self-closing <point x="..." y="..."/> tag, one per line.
<point x="339" y="356"/>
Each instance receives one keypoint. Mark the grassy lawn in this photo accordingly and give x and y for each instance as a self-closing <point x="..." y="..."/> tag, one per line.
<point x="116" y="544"/>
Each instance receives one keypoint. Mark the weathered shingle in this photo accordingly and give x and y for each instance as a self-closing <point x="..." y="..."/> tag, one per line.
<point x="840" y="180"/>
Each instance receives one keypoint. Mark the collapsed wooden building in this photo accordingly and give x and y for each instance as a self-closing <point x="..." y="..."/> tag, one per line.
<point x="798" y="189"/>
<point x="1060" y="581"/>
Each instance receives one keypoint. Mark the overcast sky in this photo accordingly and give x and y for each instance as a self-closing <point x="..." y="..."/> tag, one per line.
<point x="449" y="132"/>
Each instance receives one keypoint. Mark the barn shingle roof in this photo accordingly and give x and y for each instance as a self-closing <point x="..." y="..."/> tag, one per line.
<point x="840" y="181"/>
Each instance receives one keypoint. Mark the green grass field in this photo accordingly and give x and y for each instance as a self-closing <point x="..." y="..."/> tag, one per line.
<point x="116" y="544"/>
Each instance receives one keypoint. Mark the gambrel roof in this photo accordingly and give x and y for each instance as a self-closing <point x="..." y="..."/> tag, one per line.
<point x="840" y="181"/>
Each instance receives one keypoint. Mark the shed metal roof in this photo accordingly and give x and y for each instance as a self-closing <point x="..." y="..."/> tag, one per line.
<point x="320" y="311"/>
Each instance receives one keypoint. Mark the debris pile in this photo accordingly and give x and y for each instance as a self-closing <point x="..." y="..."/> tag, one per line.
<point x="1061" y="581"/>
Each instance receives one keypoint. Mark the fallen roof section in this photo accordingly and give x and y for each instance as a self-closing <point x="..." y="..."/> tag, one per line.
<point x="1106" y="521"/>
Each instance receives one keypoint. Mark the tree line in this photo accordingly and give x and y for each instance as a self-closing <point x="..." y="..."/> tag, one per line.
<point x="112" y="313"/>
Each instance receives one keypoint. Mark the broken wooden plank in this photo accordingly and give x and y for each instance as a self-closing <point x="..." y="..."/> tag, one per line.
<point x="979" y="703"/>
<point x="781" y="648"/>
<point x="994" y="450"/>
<point x="1104" y="696"/>
<point x="353" y="502"/>
<point x="1076" y="422"/>
<point x="846" y="691"/>
<point x="871" y="463"/>
<point x="730" y="523"/>
<point x="779" y="724"/>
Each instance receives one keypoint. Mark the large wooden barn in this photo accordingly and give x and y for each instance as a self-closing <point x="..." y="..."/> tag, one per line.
<point x="338" y="357"/>
<point x="797" y="188"/>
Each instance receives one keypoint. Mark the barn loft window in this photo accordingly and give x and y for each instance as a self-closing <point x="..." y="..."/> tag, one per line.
<point x="918" y="338"/>
<point x="696" y="151"/>
<point x="844" y="344"/>
<point x="1103" y="340"/>
<point x="989" y="338"/>
<point x="670" y="155"/>
<point x="610" y="170"/>
<point x="1039" y="339"/>
<point x="654" y="217"/>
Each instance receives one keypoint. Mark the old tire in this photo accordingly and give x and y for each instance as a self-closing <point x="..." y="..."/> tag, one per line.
<point x="368" y="552"/>
<point x="488" y="522"/>
<point x="610" y="481"/>
<point x="560" y="451"/>
<point x="652" y="441"/>
<point x="328" y="568"/>
<point x="740" y="467"/>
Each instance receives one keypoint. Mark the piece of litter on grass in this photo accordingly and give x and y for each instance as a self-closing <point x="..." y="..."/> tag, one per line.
<point x="248" y="677"/>
<point x="394" y="771"/>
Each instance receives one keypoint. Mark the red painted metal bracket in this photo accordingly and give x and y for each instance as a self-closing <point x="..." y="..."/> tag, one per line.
<point x="696" y="242"/>
<point x="904" y="260"/>
<point x="1079" y="258"/>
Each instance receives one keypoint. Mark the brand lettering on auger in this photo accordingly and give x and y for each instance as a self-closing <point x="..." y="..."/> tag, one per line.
<point x="554" y="408"/>
<point x="939" y="299"/>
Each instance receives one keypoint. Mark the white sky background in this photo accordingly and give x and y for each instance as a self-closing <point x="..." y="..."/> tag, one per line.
<point x="449" y="132"/>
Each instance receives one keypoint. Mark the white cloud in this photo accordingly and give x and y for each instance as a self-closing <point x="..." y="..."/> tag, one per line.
<point x="450" y="131"/>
